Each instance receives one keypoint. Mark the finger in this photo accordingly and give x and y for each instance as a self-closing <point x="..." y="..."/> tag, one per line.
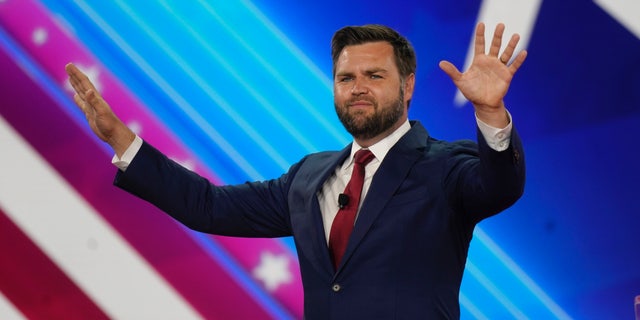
<point x="87" y="110"/>
<point x="496" y="42"/>
<point x="94" y="100"/>
<point x="74" y="80"/>
<point x="96" y="103"/>
<point x="450" y="70"/>
<point x="78" y="86"/>
<point x="511" y="47"/>
<point x="79" y="102"/>
<point x="479" y="42"/>
<point x="79" y="81"/>
<point x="518" y="61"/>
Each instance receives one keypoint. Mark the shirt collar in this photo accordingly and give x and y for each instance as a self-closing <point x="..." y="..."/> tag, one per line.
<point x="382" y="147"/>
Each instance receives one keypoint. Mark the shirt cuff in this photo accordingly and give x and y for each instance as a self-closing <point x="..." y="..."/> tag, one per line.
<point x="123" y="162"/>
<point x="497" y="139"/>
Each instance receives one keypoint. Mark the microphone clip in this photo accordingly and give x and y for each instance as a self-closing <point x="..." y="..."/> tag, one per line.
<point x="343" y="200"/>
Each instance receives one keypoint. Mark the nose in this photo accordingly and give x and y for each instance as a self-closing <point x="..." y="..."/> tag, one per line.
<point x="359" y="87"/>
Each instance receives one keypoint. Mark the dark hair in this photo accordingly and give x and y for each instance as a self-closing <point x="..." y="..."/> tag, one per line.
<point x="353" y="35"/>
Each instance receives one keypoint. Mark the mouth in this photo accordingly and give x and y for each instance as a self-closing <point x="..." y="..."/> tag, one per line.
<point x="360" y="104"/>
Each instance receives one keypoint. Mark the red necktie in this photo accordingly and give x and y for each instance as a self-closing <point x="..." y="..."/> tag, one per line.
<point x="344" y="220"/>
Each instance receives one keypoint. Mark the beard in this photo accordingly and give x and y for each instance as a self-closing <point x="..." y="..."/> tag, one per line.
<point x="361" y="126"/>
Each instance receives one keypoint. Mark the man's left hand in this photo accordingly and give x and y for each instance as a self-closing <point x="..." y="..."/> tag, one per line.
<point x="487" y="80"/>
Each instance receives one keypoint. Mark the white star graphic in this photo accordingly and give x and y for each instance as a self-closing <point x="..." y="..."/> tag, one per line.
<point x="135" y="126"/>
<point x="39" y="36"/>
<point x="273" y="270"/>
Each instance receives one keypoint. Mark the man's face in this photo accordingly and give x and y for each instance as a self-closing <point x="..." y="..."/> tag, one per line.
<point x="369" y="97"/>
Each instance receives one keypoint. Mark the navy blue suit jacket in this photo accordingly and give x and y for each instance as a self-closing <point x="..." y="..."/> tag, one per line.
<point x="406" y="255"/>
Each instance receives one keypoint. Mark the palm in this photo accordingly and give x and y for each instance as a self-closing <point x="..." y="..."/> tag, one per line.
<point x="487" y="80"/>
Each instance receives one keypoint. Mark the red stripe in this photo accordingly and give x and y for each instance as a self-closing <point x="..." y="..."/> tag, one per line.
<point x="35" y="284"/>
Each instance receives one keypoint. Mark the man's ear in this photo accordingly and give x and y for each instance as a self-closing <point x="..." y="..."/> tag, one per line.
<point x="409" y="85"/>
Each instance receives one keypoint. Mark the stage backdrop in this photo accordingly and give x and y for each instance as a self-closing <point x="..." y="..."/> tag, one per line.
<point x="240" y="90"/>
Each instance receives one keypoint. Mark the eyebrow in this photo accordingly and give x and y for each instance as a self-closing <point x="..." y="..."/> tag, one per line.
<point x="369" y="72"/>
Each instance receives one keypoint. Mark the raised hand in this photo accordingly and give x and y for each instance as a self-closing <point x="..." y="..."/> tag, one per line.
<point x="487" y="80"/>
<point x="103" y="122"/>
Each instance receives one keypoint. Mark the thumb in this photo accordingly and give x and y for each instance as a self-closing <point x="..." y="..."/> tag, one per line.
<point x="96" y="102"/>
<point x="450" y="69"/>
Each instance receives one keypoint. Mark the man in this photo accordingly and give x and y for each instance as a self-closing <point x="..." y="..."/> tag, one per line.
<point x="399" y="253"/>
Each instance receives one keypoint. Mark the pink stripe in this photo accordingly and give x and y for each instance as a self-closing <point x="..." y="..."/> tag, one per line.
<point x="248" y="254"/>
<point x="60" y="49"/>
<point x="161" y="241"/>
<point x="34" y="284"/>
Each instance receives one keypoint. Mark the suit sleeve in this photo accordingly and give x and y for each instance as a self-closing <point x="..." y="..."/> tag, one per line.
<point x="482" y="181"/>
<point x="257" y="209"/>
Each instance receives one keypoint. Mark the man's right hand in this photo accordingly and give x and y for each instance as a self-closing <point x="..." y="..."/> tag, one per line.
<point x="104" y="123"/>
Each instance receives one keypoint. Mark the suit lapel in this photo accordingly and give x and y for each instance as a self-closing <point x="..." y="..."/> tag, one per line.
<point x="392" y="171"/>
<point x="307" y="222"/>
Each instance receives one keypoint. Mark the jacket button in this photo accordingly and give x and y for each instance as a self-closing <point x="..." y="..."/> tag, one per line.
<point x="335" y="287"/>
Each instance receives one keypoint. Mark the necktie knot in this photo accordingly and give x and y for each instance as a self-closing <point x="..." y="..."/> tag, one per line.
<point x="363" y="157"/>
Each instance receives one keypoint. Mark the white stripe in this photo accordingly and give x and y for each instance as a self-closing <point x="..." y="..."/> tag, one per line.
<point x="626" y="12"/>
<point x="78" y="239"/>
<point x="494" y="291"/>
<point x="8" y="311"/>
<point x="471" y="308"/>
<point x="515" y="269"/>
<point x="518" y="16"/>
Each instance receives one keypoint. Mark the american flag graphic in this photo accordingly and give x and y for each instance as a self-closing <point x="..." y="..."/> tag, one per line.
<point x="219" y="87"/>
<point x="75" y="247"/>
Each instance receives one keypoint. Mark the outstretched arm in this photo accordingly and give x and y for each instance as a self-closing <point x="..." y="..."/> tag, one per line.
<point x="103" y="122"/>
<point x="487" y="80"/>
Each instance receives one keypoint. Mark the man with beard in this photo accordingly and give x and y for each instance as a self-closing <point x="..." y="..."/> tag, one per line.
<point x="400" y="252"/>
